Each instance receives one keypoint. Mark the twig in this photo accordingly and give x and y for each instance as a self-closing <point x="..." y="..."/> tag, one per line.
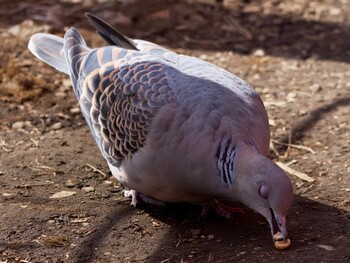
<point x="289" y="140"/>
<point x="301" y="147"/>
<point x="90" y="232"/>
<point x="45" y="167"/>
<point x="41" y="167"/>
<point x="3" y="144"/>
<point x="291" y="171"/>
<point x="36" y="143"/>
<point x="238" y="27"/>
<point x="94" y="169"/>
<point x="273" y="148"/>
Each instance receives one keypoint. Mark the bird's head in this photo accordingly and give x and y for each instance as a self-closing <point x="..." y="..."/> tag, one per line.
<point x="264" y="187"/>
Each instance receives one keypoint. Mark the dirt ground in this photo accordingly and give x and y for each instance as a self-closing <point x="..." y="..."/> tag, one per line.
<point x="296" y="54"/>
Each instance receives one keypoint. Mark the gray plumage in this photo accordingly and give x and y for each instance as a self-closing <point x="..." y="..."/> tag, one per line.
<point x="171" y="127"/>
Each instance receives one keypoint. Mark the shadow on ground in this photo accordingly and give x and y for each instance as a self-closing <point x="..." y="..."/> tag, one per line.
<point x="246" y="234"/>
<point x="308" y="122"/>
<point x="194" y="25"/>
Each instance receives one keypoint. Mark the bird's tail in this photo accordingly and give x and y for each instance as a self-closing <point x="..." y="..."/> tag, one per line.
<point x="111" y="35"/>
<point x="49" y="48"/>
<point x="64" y="54"/>
<point x="75" y="50"/>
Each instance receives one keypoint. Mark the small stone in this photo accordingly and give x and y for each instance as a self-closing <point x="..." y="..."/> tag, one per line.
<point x="196" y="232"/>
<point x="155" y="224"/>
<point x="107" y="182"/>
<point x="326" y="247"/>
<point x="203" y="56"/>
<point x="18" y="125"/>
<point x="62" y="194"/>
<point x="211" y="237"/>
<point x="314" y="87"/>
<point x="28" y="124"/>
<point x="88" y="189"/>
<point x="75" y="110"/>
<point x="105" y="194"/>
<point x="291" y="96"/>
<point x="115" y="189"/>
<point x="69" y="184"/>
<point x="57" y="126"/>
<point x="334" y="11"/>
<point x="259" y="53"/>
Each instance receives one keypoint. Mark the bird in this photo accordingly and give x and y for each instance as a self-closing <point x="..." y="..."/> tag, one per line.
<point x="173" y="128"/>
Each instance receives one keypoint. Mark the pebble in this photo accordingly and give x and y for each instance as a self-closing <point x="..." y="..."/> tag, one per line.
<point x="115" y="189"/>
<point x="211" y="237"/>
<point x="334" y="11"/>
<point x="57" y="126"/>
<point x="196" y="232"/>
<point x="88" y="189"/>
<point x="259" y="53"/>
<point x="62" y="194"/>
<point x="203" y="56"/>
<point x="75" y="110"/>
<point x="69" y="184"/>
<point x="326" y="247"/>
<point x="105" y="194"/>
<point x="155" y="224"/>
<point x="315" y="87"/>
<point x="18" y="125"/>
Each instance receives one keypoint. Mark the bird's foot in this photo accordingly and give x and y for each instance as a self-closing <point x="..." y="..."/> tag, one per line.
<point x="131" y="194"/>
<point x="137" y="198"/>
<point x="221" y="208"/>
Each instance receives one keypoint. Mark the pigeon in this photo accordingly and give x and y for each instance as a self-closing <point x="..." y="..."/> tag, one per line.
<point x="173" y="128"/>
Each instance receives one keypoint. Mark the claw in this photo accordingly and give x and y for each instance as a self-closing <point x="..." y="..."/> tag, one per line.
<point x="137" y="197"/>
<point x="134" y="196"/>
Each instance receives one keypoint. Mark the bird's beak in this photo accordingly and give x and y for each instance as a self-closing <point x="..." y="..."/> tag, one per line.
<point x="279" y="230"/>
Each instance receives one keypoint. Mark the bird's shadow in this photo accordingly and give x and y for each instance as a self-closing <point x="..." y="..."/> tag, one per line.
<point x="249" y="232"/>
<point x="306" y="123"/>
<point x="223" y="240"/>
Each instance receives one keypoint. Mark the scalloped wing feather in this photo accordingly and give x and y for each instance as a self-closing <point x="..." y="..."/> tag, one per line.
<point x="120" y="91"/>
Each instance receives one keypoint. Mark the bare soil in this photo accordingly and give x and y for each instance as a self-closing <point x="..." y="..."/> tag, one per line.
<point x="295" y="53"/>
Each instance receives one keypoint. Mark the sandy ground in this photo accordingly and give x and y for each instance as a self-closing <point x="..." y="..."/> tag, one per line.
<point x="295" y="55"/>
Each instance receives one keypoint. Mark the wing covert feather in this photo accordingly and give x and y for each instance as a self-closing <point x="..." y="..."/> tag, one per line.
<point x="121" y="92"/>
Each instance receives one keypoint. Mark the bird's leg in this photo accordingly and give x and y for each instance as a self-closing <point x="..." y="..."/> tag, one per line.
<point x="205" y="211"/>
<point x="133" y="194"/>
<point x="137" y="197"/>
<point x="222" y="209"/>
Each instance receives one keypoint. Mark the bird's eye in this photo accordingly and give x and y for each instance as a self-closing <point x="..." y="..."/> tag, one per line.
<point x="263" y="191"/>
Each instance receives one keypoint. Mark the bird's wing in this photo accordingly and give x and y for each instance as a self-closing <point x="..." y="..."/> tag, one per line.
<point x="119" y="91"/>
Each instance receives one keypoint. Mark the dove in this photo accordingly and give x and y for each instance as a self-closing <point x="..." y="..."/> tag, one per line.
<point x="173" y="128"/>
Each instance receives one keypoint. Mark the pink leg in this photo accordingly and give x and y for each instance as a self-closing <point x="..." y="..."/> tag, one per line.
<point x="221" y="209"/>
